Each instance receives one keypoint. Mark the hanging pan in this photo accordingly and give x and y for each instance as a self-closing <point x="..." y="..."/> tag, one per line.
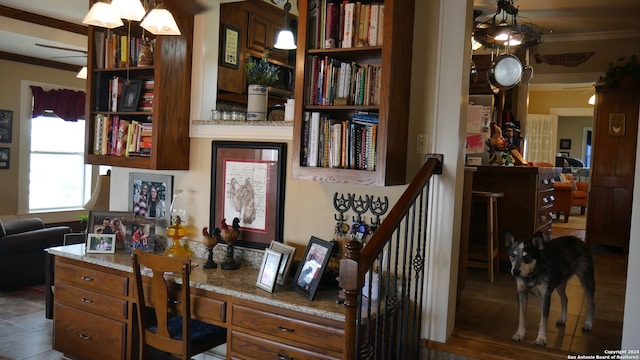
<point x="505" y="72"/>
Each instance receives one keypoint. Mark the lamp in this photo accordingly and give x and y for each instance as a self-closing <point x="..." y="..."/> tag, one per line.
<point x="159" y="21"/>
<point x="506" y="32"/>
<point x="102" y="14"/>
<point x="128" y="9"/>
<point x="592" y="100"/>
<point x="284" y="40"/>
<point x="100" y="196"/>
<point x="82" y="74"/>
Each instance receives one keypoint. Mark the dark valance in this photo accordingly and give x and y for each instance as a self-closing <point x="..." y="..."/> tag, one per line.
<point x="66" y="104"/>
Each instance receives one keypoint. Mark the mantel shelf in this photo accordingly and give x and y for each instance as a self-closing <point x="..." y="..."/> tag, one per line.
<point x="242" y="130"/>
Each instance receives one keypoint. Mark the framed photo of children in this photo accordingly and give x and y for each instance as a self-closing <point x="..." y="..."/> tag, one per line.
<point x="150" y="196"/>
<point x="269" y="270"/>
<point x="110" y="222"/>
<point x="247" y="182"/>
<point x="101" y="243"/>
<point x="312" y="266"/>
<point x="6" y="119"/>
<point x="140" y="234"/>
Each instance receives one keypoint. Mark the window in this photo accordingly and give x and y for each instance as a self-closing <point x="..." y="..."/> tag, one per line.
<point x="58" y="177"/>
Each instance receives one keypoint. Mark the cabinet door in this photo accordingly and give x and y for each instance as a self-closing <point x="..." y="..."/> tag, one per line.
<point x="262" y="35"/>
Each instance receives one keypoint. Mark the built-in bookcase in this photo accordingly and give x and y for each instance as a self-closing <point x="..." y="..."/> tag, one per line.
<point x="138" y="97"/>
<point x="352" y="91"/>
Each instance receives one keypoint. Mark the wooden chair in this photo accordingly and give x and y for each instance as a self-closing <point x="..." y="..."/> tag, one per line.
<point x="159" y="323"/>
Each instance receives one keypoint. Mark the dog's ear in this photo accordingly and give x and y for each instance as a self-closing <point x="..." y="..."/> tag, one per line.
<point x="538" y="240"/>
<point x="509" y="239"/>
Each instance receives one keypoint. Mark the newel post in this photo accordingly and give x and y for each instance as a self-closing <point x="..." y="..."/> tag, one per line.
<point x="348" y="280"/>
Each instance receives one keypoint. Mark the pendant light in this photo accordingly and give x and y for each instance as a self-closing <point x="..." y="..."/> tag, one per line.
<point x="102" y="14"/>
<point x="128" y="9"/>
<point x="284" y="40"/>
<point x="159" y="21"/>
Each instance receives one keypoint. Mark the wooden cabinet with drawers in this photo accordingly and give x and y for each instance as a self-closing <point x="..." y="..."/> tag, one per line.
<point x="92" y="311"/>
<point x="260" y="331"/>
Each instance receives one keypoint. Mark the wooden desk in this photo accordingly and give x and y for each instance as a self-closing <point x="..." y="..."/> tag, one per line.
<point x="95" y="311"/>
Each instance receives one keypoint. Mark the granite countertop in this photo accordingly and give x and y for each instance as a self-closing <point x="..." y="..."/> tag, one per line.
<point x="239" y="283"/>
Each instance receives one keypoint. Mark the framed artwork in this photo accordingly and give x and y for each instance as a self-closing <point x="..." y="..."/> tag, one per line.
<point x="287" y="258"/>
<point x="150" y="195"/>
<point x="110" y="222"/>
<point x="140" y="234"/>
<point x="269" y="270"/>
<point x="247" y="182"/>
<point x="130" y="97"/>
<point x="312" y="266"/>
<point x="565" y="144"/>
<point x="101" y="243"/>
<point x="6" y="119"/>
<point x="617" y="124"/>
<point x="5" y="153"/>
<point x="230" y="43"/>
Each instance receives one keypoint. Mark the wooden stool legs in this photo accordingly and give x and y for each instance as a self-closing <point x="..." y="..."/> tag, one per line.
<point x="490" y="259"/>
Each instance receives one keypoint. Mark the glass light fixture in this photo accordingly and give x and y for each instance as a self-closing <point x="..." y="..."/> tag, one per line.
<point x="82" y="74"/>
<point x="160" y="22"/>
<point x="507" y="32"/>
<point x="284" y="40"/>
<point x="128" y="9"/>
<point x="101" y="14"/>
<point x="592" y="100"/>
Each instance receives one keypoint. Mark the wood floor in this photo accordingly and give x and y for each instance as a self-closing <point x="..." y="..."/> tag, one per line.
<point x="487" y="314"/>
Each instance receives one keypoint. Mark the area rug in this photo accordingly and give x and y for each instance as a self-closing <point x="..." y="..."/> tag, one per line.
<point x="576" y="221"/>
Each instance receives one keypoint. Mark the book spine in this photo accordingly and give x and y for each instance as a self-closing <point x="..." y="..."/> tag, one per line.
<point x="314" y="131"/>
<point x="347" y="36"/>
<point x="373" y="25"/>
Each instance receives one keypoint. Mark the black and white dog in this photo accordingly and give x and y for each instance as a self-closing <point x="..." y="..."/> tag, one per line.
<point x="540" y="267"/>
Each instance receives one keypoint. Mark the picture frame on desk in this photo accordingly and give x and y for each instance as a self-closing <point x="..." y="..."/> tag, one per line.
<point x="110" y="222"/>
<point x="130" y="97"/>
<point x="150" y="196"/>
<point x="287" y="259"/>
<point x="313" y="264"/>
<point x="269" y="270"/>
<point x="140" y="234"/>
<point x="101" y="243"/>
<point x="247" y="182"/>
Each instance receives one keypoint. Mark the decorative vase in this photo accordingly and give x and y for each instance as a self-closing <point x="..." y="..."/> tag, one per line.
<point x="177" y="230"/>
<point x="257" y="102"/>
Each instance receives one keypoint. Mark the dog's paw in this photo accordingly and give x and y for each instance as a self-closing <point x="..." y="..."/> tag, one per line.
<point x="561" y="322"/>
<point x="517" y="336"/>
<point x="587" y="326"/>
<point x="541" y="341"/>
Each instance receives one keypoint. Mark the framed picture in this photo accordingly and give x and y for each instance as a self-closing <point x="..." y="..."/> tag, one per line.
<point x="101" y="243"/>
<point x="130" y="97"/>
<point x="617" y="124"/>
<point x="564" y="154"/>
<point x="110" y="222"/>
<point x="140" y="234"/>
<point x="269" y="270"/>
<point x="312" y="266"/>
<point x="247" y="182"/>
<point x="150" y="195"/>
<point x="6" y="119"/>
<point x="565" y="144"/>
<point x="5" y="153"/>
<point x="230" y="43"/>
<point x="287" y="258"/>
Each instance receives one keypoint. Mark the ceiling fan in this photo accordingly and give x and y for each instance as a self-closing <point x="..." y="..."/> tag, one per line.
<point x="84" y="52"/>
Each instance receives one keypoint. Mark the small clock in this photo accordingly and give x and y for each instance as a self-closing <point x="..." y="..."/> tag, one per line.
<point x="278" y="2"/>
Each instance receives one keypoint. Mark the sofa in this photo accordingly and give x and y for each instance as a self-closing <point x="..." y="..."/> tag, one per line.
<point x="568" y="193"/>
<point x="22" y="250"/>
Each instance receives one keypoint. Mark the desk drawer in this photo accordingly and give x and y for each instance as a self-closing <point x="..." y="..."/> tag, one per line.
<point x="207" y="309"/>
<point x="95" y="280"/>
<point x="86" y="335"/>
<point x="289" y="328"/>
<point x="91" y="301"/>
<point x="245" y="346"/>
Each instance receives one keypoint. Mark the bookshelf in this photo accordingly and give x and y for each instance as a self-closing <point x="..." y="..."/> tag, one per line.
<point x="164" y="101"/>
<point x="386" y="57"/>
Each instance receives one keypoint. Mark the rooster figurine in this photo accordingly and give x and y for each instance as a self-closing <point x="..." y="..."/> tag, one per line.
<point x="210" y="241"/>
<point x="229" y="235"/>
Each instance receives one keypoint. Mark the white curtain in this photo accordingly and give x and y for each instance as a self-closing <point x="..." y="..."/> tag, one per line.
<point x="540" y="138"/>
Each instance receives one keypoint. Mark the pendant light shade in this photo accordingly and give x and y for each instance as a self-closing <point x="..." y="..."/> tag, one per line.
<point x="128" y="9"/>
<point x="82" y="74"/>
<point x="160" y="22"/>
<point x="101" y="14"/>
<point x="285" y="40"/>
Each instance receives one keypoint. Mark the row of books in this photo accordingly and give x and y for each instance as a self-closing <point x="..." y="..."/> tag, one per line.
<point x="115" y="50"/>
<point x="334" y="82"/>
<point x="347" y="144"/>
<point x="345" y="24"/>
<point x="116" y="88"/>
<point x="120" y="137"/>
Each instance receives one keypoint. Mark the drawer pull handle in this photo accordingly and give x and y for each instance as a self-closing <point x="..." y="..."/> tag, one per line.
<point x="284" y="357"/>
<point x="85" y="300"/>
<point x="284" y="329"/>
<point x="86" y="278"/>
<point x="85" y="337"/>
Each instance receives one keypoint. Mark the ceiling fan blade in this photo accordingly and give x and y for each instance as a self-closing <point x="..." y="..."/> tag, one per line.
<point x="189" y="7"/>
<point x="63" y="48"/>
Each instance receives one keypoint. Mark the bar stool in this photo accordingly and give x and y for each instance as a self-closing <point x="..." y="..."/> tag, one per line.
<point x="488" y="260"/>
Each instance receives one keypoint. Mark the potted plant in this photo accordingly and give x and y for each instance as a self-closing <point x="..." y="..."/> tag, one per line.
<point x="260" y="75"/>
<point x="623" y="73"/>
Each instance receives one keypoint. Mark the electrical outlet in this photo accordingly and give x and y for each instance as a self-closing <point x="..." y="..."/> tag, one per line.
<point x="422" y="143"/>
